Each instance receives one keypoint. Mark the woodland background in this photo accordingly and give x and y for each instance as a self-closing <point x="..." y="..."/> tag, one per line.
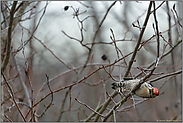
<point x="59" y="58"/>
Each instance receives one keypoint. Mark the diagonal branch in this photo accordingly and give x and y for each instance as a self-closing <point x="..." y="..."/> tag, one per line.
<point x="13" y="97"/>
<point x="88" y="107"/>
<point x="139" y="40"/>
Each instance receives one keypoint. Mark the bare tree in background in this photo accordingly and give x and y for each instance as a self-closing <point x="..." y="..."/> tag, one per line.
<point x="72" y="81"/>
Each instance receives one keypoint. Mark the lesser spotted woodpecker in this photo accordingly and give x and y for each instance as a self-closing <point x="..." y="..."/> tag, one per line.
<point x="146" y="90"/>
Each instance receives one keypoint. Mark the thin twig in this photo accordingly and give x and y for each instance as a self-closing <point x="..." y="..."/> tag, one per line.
<point x="165" y="54"/>
<point x="62" y="107"/>
<point x="114" y="112"/>
<point x="157" y="7"/>
<point x="176" y="15"/>
<point x="48" y="49"/>
<point x="110" y="97"/>
<point x="125" y="108"/>
<point x="88" y="107"/>
<point x="6" y="116"/>
<point x="69" y="104"/>
<point x="51" y="102"/>
<point x="13" y="97"/>
<point x="157" y="31"/>
<point x="22" y="80"/>
<point x="103" y="19"/>
<point x="25" y="42"/>
<point x="113" y="39"/>
<point x="166" y="75"/>
<point x="110" y="75"/>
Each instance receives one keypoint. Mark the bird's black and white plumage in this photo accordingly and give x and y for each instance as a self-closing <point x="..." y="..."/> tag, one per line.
<point x="146" y="90"/>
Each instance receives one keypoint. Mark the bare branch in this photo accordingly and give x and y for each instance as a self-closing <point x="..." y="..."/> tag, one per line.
<point x="88" y="107"/>
<point x="51" y="102"/>
<point x="157" y="31"/>
<point x="166" y="75"/>
<point x="139" y="40"/>
<point x="13" y="97"/>
<point x="8" y="45"/>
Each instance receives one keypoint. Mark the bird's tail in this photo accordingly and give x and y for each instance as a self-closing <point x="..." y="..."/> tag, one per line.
<point x="116" y="85"/>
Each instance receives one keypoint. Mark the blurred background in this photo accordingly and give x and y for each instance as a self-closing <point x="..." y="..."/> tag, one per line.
<point x="66" y="40"/>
